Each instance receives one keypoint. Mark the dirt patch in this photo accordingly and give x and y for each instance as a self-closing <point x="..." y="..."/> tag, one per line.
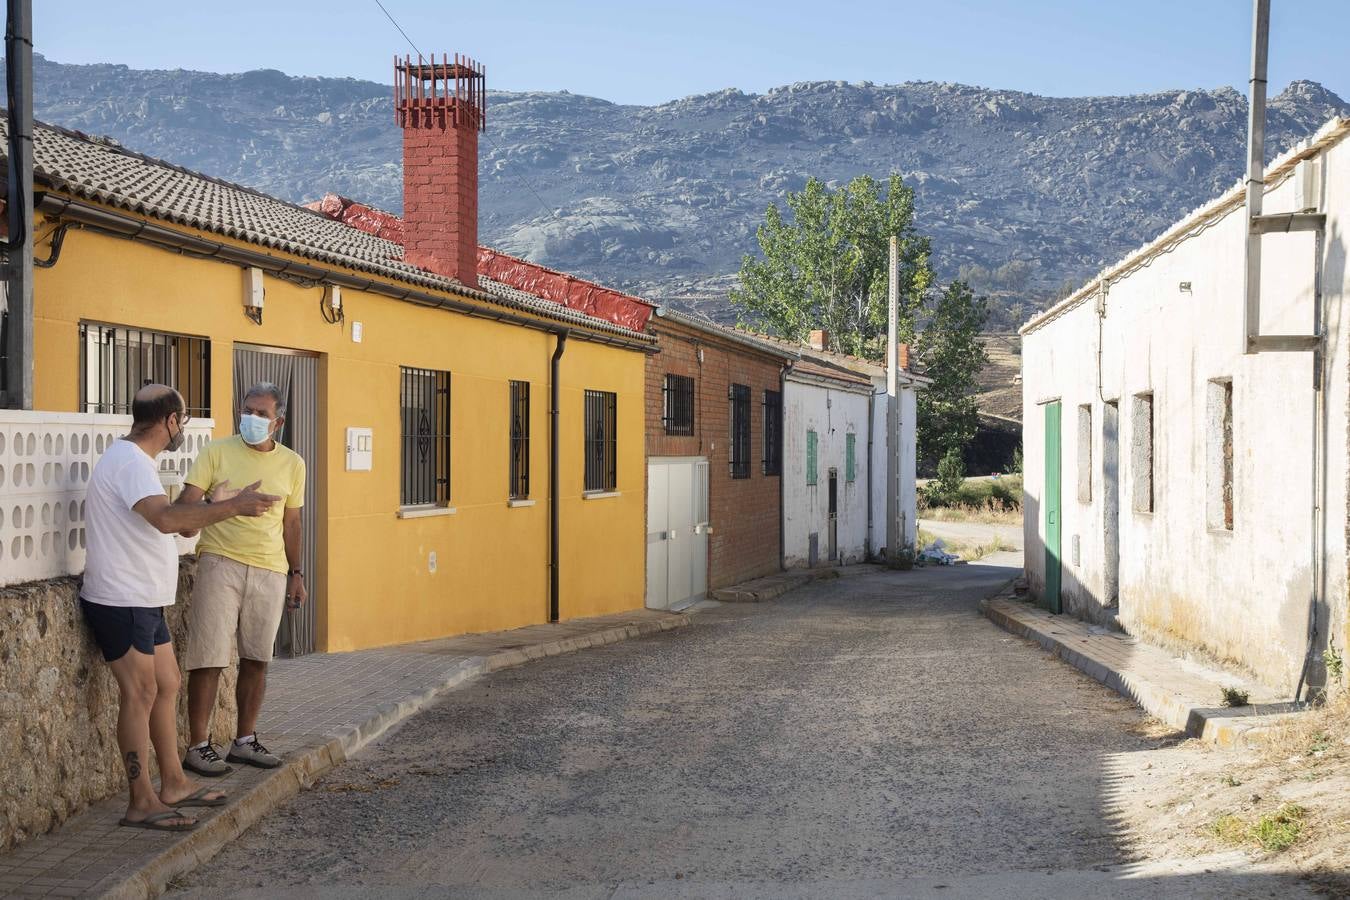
<point x="1286" y="802"/>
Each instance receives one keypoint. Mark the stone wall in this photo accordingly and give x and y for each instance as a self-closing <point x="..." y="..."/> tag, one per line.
<point x="58" y="707"/>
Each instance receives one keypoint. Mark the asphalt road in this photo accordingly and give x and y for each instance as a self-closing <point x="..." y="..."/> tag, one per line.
<point x="869" y="736"/>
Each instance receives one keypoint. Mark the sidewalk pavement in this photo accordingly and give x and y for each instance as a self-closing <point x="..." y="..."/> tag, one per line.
<point x="1181" y="692"/>
<point x="320" y="710"/>
<point x="770" y="587"/>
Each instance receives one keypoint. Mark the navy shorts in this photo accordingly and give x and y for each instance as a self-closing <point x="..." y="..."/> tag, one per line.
<point x="119" y="628"/>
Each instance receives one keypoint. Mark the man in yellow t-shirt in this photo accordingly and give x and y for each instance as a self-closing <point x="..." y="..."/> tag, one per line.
<point x="248" y="570"/>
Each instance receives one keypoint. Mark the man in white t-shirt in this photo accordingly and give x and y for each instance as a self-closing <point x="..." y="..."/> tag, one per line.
<point x="131" y="574"/>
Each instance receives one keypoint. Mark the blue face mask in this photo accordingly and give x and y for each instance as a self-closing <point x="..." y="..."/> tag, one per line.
<point x="254" y="429"/>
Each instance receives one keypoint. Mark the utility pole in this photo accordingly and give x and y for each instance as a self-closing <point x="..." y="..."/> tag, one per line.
<point x="895" y="531"/>
<point x="19" y="246"/>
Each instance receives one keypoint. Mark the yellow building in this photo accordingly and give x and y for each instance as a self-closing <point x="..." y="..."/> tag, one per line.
<point x="421" y="397"/>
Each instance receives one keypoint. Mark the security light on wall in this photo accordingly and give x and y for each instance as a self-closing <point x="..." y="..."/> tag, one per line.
<point x="253" y="294"/>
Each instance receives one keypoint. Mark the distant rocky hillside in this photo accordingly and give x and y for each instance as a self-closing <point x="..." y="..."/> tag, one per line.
<point x="1021" y="193"/>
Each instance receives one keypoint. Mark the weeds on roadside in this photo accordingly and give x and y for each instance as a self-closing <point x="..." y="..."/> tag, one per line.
<point x="1233" y="696"/>
<point x="1278" y="830"/>
<point x="1273" y="832"/>
<point x="1230" y="781"/>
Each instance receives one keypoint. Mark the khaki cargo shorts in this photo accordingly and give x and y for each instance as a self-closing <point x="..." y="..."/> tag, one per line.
<point x="232" y="601"/>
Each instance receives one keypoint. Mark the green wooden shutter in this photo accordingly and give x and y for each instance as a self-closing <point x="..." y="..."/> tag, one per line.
<point x="810" y="457"/>
<point x="850" y="460"/>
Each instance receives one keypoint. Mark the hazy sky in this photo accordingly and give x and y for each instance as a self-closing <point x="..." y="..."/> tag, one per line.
<point x="648" y="52"/>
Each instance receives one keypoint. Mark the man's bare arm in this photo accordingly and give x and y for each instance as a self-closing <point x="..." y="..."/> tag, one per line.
<point x="293" y="535"/>
<point x="182" y="516"/>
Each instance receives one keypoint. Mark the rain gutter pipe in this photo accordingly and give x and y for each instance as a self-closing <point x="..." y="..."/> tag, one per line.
<point x="555" y="367"/>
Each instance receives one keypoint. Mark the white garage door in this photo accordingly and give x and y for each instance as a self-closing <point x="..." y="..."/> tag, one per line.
<point x="677" y="531"/>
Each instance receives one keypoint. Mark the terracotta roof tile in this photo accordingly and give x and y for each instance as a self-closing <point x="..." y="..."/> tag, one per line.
<point x="101" y="170"/>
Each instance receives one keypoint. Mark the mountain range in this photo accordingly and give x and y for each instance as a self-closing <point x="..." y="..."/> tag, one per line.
<point x="1023" y="195"/>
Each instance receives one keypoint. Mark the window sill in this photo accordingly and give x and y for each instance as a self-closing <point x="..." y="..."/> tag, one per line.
<point x="1219" y="531"/>
<point x="600" y="495"/>
<point x="425" y="512"/>
<point x="519" y="504"/>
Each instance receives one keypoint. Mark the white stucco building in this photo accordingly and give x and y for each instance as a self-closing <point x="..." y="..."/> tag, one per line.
<point x="834" y="469"/>
<point x="1172" y="481"/>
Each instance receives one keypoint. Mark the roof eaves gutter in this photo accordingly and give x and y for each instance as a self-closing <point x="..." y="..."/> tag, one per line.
<point x="834" y="384"/>
<point x="133" y="228"/>
<point x="714" y="330"/>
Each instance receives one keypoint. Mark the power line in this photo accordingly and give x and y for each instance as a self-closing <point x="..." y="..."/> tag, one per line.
<point x="398" y="26"/>
<point x="523" y="177"/>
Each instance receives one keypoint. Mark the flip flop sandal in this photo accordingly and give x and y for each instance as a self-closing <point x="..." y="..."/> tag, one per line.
<point x="154" y="823"/>
<point x="199" y="798"/>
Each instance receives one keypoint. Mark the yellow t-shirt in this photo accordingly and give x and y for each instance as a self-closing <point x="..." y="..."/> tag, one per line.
<point x="252" y="540"/>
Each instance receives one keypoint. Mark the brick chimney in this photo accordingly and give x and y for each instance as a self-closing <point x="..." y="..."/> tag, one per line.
<point x="441" y="107"/>
<point x="902" y="351"/>
<point x="819" y="340"/>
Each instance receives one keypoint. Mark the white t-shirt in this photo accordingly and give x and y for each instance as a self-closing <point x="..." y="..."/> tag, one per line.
<point x="129" y="561"/>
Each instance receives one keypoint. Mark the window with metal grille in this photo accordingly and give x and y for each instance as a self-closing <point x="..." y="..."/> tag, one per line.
<point x="115" y="362"/>
<point x="601" y="441"/>
<point x="425" y="404"/>
<point x="811" y="474"/>
<point x="520" y="440"/>
<point x="678" y="416"/>
<point x="773" y="427"/>
<point x="850" y="457"/>
<point x="739" y="396"/>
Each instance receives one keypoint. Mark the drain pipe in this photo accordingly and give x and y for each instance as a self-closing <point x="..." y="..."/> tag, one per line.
<point x="1319" y="431"/>
<point x="553" y="477"/>
<point x="18" y="245"/>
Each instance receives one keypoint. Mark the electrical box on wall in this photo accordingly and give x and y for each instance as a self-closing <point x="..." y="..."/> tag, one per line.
<point x="360" y="449"/>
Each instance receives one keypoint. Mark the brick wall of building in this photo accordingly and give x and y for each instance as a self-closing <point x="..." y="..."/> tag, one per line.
<point x="745" y="513"/>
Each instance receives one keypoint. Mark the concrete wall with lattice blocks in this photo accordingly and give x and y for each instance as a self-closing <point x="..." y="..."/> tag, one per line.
<point x="45" y="463"/>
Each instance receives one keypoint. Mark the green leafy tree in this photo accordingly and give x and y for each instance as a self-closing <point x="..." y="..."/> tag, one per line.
<point x="952" y="356"/>
<point x="825" y="265"/>
<point x="945" y="490"/>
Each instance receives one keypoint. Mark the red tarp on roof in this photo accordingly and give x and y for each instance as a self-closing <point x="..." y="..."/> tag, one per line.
<point x="567" y="290"/>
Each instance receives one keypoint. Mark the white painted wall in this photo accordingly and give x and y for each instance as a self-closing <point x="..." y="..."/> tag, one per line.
<point x="1243" y="594"/>
<point x="831" y="413"/>
<point x="908" y="455"/>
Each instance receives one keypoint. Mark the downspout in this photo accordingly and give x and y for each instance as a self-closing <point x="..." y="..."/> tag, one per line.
<point x="1319" y="431"/>
<point x="553" y="477"/>
<point x="19" y="243"/>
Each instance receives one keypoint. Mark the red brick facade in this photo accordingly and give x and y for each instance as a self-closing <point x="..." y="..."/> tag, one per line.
<point x="746" y="513"/>
<point x="440" y="196"/>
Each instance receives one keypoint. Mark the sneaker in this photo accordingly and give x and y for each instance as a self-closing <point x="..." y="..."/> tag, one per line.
<point x="206" y="761"/>
<point x="252" y="753"/>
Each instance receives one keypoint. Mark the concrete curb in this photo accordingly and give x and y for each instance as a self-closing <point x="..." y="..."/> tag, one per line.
<point x="304" y="767"/>
<point x="1215" y="725"/>
<point x="761" y="590"/>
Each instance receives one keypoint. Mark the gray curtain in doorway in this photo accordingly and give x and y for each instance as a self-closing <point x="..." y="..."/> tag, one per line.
<point x="297" y="377"/>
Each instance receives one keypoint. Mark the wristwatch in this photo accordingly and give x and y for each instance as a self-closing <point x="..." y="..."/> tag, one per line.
<point x="300" y="572"/>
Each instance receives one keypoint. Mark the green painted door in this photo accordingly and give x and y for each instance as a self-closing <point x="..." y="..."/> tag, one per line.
<point x="1053" y="513"/>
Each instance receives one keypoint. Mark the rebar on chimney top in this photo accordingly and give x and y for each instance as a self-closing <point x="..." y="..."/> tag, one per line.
<point x="440" y="93"/>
